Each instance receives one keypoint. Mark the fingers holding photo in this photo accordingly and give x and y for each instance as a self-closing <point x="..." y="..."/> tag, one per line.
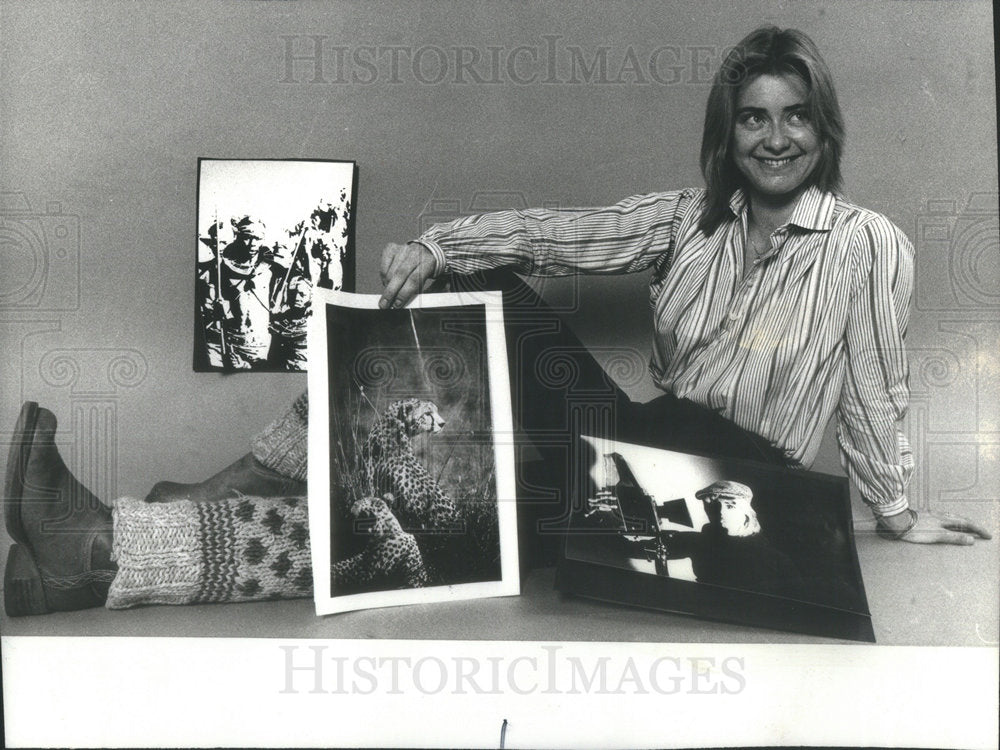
<point x="404" y="270"/>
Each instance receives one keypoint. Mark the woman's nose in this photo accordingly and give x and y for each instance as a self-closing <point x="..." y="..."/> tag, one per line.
<point x="777" y="139"/>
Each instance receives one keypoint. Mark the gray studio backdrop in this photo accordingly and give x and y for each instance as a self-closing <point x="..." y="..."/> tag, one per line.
<point x="448" y="109"/>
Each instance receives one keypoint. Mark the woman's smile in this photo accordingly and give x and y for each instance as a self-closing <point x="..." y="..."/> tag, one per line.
<point x="775" y="164"/>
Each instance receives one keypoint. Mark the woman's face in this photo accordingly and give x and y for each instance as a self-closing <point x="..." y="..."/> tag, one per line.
<point x="775" y="145"/>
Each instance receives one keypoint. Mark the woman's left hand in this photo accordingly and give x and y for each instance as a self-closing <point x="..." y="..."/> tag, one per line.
<point x="939" y="528"/>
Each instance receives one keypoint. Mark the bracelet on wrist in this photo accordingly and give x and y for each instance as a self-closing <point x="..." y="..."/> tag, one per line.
<point x="893" y="534"/>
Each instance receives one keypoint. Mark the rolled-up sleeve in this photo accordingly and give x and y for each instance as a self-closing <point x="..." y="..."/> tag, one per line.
<point x="626" y="237"/>
<point x="875" y="394"/>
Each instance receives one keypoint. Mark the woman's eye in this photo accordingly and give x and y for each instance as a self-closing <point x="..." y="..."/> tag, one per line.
<point x="798" y="118"/>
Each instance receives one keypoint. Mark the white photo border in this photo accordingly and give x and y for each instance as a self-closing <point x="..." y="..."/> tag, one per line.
<point x="319" y="446"/>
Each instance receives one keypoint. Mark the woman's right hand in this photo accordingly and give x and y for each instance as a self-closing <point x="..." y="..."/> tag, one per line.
<point x="405" y="269"/>
<point x="934" y="528"/>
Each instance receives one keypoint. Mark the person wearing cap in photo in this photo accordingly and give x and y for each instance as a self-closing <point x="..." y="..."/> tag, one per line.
<point x="246" y="280"/>
<point x="731" y="549"/>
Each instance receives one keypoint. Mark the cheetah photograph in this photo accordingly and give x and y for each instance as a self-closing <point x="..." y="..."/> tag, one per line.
<point x="410" y="421"/>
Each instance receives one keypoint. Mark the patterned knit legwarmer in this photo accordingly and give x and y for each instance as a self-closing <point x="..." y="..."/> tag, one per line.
<point x="283" y="446"/>
<point x="242" y="549"/>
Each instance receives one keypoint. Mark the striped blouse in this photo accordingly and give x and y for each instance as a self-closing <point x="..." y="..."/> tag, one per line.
<point x="814" y="328"/>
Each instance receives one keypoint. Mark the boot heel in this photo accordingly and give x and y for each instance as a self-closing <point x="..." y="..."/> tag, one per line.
<point x="22" y="584"/>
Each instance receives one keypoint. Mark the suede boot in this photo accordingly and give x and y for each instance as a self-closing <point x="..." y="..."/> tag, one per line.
<point x="247" y="476"/>
<point x="61" y="558"/>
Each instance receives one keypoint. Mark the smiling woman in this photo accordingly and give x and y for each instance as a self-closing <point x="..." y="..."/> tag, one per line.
<point x="777" y="304"/>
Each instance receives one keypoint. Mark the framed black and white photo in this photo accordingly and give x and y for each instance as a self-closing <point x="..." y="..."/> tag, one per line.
<point x="411" y="467"/>
<point x="270" y="231"/>
<point x="726" y="540"/>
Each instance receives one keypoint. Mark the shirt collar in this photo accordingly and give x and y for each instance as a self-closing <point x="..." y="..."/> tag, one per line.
<point x="738" y="202"/>
<point x="813" y="210"/>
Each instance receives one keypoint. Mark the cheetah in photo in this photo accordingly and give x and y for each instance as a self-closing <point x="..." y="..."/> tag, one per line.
<point x="390" y="560"/>
<point x="392" y="468"/>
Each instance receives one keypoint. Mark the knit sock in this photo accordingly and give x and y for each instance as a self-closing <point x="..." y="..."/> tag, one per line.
<point x="240" y="549"/>
<point x="284" y="444"/>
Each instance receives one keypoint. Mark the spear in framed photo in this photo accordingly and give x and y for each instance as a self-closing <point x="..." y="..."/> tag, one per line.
<point x="219" y="312"/>
<point x="279" y="290"/>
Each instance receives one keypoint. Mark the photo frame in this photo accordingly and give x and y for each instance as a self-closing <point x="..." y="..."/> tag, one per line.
<point x="270" y="231"/>
<point x="722" y="539"/>
<point x="411" y="471"/>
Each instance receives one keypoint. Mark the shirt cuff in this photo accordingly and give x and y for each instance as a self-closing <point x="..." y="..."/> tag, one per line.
<point x="440" y="263"/>
<point x="889" y="509"/>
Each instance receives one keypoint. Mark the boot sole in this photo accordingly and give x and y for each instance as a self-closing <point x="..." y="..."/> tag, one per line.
<point x="17" y="464"/>
<point x="23" y="593"/>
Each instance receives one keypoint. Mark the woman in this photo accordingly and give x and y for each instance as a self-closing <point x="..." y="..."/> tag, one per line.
<point x="777" y="305"/>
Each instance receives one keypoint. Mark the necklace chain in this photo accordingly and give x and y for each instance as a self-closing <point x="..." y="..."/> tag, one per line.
<point x="753" y="246"/>
<point x="758" y="254"/>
